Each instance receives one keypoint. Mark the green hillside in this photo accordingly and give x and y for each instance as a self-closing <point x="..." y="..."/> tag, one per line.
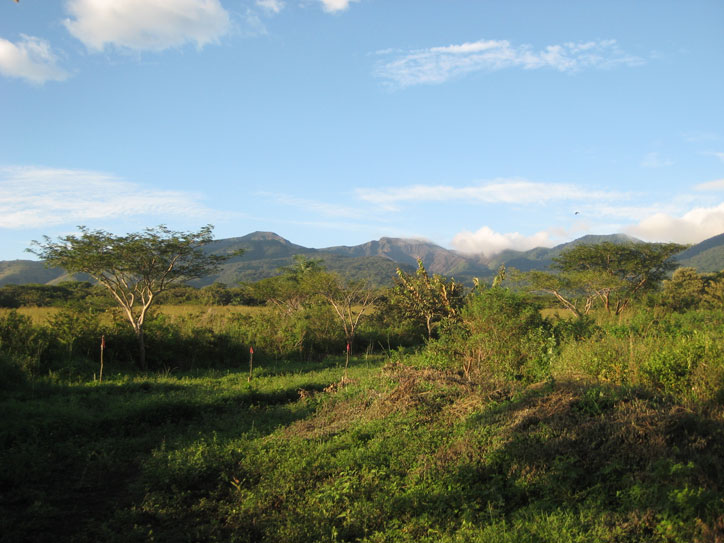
<point x="19" y="272"/>
<point x="706" y="257"/>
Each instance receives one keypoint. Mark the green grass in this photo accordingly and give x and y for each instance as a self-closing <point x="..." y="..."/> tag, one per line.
<point x="392" y="453"/>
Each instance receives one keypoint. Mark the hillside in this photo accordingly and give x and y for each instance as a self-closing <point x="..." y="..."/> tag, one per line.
<point x="28" y="271"/>
<point x="706" y="257"/>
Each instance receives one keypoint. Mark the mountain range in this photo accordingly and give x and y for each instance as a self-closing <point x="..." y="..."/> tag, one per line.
<point x="266" y="252"/>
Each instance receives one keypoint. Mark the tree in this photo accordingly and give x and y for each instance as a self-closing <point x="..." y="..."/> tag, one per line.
<point x="216" y="294"/>
<point x="684" y="290"/>
<point x="714" y="291"/>
<point x="569" y="291"/>
<point x="349" y="300"/>
<point x="429" y="299"/>
<point x="612" y="273"/>
<point x="308" y="280"/>
<point x="288" y="291"/>
<point x="134" y="268"/>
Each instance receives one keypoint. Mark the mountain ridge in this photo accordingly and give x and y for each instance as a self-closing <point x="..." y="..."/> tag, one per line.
<point x="376" y="261"/>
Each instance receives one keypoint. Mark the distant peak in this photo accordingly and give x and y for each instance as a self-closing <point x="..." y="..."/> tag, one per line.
<point x="265" y="236"/>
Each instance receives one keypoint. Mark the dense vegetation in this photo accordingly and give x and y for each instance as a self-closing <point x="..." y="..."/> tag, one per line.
<point x="492" y="414"/>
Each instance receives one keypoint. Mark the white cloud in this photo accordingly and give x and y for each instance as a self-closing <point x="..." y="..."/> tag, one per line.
<point x="720" y="156"/>
<point x="509" y="191"/>
<point x="31" y="59"/>
<point x="274" y="6"/>
<point x="655" y="160"/>
<point x="333" y="6"/>
<point x="488" y="242"/>
<point x="32" y="197"/>
<point x="711" y="185"/>
<point x="694" y="226"/>
<point x="439" y="64"/>
<point x="146" y="24"/>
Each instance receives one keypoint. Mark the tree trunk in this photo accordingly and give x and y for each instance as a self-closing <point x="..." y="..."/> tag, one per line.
<point x="141" y="349"/>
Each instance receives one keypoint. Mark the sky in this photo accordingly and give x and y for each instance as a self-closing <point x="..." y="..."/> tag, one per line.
<point x="478" y="125"/>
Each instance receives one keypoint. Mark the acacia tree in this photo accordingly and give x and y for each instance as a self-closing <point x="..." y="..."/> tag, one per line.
<point x="569" y="291"/>
<point x="612" y="273"/>
<point x="134" y="268"/>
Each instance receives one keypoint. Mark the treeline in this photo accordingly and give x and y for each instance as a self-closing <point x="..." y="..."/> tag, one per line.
<point x="77" y="293"/>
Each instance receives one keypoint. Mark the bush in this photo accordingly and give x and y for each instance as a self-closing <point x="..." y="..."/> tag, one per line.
<point x="500" y="334"/>
<point x="685" y="366"/>
<point x="22" y="344"/>
<point x="607" y="358"/>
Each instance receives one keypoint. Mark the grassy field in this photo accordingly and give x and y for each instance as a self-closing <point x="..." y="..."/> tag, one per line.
<point x="389" y="453"/>
<point x="200" y="313"/>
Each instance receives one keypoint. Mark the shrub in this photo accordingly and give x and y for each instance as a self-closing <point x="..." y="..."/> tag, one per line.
<point x="23" y="344"/>
<point x="501" y="334"/>
<point x="606" y="358"/>
<point x="686" y="365"/>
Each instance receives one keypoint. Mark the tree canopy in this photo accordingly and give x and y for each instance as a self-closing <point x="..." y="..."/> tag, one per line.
<point x="611" y="273"/>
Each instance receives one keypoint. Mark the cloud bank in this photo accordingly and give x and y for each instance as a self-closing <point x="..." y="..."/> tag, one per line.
<point x="692" y="227"/>
<point x="32" y="197"/>
<point x="152" y="25"/>
<point x="488" y="242"/>
<point x="31" y="59"/>
<point x="439" y="64"/>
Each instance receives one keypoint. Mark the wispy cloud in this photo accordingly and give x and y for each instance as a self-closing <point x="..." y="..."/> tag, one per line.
<point x="273" y="6"/>
<point x="655" y="160"/>
<point x="488" y="242"/>
<point x="333" y="6"/>
<point x="439" y="64"/>
<point x="31" y="59"/>
<point x="693" y="226"/>
<point x="152" y="25"/>
<point x="711" y="185"/>
<point x="509" y="191"/>
<point x="32" y="197"/>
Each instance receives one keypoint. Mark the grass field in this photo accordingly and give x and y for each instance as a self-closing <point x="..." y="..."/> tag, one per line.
<point x="205" y="313"/>
<point x="391" y="453"/>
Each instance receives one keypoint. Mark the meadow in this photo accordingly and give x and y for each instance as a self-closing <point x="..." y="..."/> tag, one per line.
<point x="583" y="430"/>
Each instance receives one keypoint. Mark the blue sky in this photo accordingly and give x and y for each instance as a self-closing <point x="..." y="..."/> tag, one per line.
<point x="478" y="125"/>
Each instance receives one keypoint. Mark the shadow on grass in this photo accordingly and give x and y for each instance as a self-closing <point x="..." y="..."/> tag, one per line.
<point x="71" y="456"/>
<point x="600" y="451"/>
<point x="273" y="368"/>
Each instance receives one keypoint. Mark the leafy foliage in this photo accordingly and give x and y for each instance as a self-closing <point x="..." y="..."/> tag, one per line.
<point x="427" y="299"/>
<point x="500" y="335"/>
<point x="615" y="273"/>
<point x="135" y="268"/>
